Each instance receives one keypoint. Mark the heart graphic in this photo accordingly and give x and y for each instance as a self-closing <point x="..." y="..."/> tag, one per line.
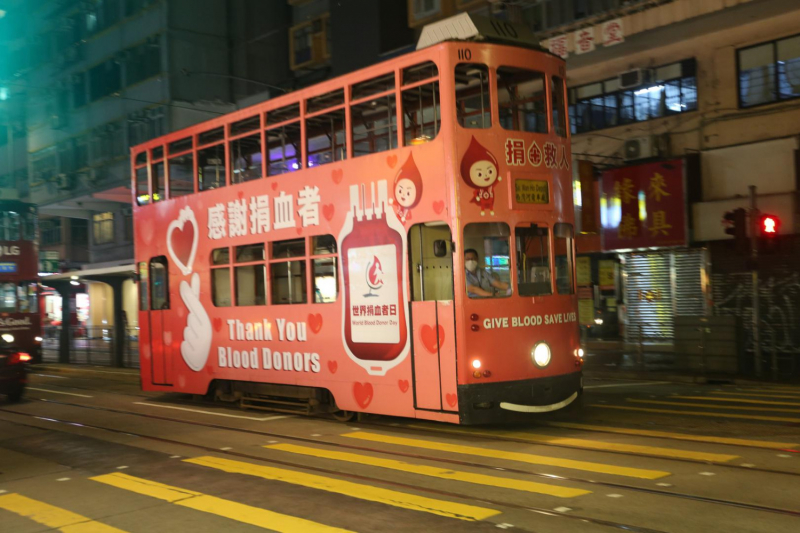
<point x="299" y="230"/>
<point x="315" y="322"/>
<point x="403" y="384"/>
<point x="182" y="240"/>
<point x="333" y="366"/>
<point x="337" y="176"/>
<point x="274" y="185"/>
<point x="327" y="211"/>
<point x="217" y="324"/>
<point x="362" y="393"/>
<point x="241" y="194"/>
<point x="428" y="335"/>
<point x="438" y="206"/>
<point x="451" y="399"/>
<point x="391" y="161"/>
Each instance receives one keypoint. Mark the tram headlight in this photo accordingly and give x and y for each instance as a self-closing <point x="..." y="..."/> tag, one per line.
<point x="38" y="339"/>
<point x="579" y="352"/>
<point x="476" y="364"/>
<point x="541" y="354"/>
<point x="8" y="337"/>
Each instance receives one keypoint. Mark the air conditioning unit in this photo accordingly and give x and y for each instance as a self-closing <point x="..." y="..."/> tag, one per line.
<point x="648" y="147"/>
<point x="635" y="78"/>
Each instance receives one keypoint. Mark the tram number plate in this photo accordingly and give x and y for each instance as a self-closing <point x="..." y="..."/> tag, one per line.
<point x="531" y="191"/>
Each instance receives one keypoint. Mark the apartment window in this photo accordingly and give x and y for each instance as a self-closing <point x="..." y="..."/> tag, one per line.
<point x="144" y="61"/>
<point x="79" y="89"/>
<point x="522" y="99"/>
<point x="51" y="231"/>
<point x="309" y="43"/>
<point x="421" y="103"/>
<point x="127" y="220"/>
<point x="103" y="227"/>
<point x="79" y="232"/>
<point x="423" y="9"/>
<point x="104" y="79"/>
<point x="672" y="90"/>
<point x="473" y="106"/>
<point x="769" y="72"/>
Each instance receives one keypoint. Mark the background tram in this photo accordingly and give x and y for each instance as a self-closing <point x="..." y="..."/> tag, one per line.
<point x="308" y="252"/>
<point x="20" y="319"/>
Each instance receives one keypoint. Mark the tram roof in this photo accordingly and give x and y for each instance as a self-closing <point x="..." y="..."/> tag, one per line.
<point x="469" y="27"/>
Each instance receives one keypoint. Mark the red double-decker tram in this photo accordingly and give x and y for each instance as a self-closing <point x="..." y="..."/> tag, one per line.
<point x="397" y="241"/>
<point x="20" y="320"/>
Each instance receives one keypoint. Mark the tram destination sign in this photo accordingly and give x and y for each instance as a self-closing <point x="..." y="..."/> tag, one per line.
<point x="531" y="191"/>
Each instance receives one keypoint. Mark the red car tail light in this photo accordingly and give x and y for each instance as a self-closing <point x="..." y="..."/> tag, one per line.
<point x="19" y="357"/>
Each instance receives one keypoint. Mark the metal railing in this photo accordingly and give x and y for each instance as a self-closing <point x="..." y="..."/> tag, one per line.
<point x="91" y="345"/>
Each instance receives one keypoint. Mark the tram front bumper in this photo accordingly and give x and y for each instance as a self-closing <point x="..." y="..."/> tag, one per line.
<point x="516" y="401"/>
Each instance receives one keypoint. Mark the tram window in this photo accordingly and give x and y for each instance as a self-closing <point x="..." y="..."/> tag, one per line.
<point x="431" y="276"/>
<point x="326" y="140"/>
<point x="180" y="175"/>
<point x="473" y="106"/>
<point x="142" y="192"/>
<point x="159" y="283"/>
<point x="208" y="137"/>
<point x="220" y="256"/>
<point x="420" y="72"/>
<point x="283" y="149"/>
<point x="246" y="159"/>
<point x="28" y="297"/>
<point x="249" y="253"/>
<point x="325" y="101"/>
<point x="377" y="85"/>
<point x="158" y="153"/>
<point x="141" y="158"/>
<point x="324" y="269"/>
<point x="246" y="125"/>
<point x="30" y="228"/>
<point x="565" y="262"/>
<point x="211" y="168"/>
<point x="522" y="100"/>
<point x="533" y="260"/>
<point x="8" y="298"/>
<point x="221" y="286"/>
<point x="374" y="125"/>
<point x="487" y="260"/>
<point x="282" y="114"/>
<point x="159" y="192"/>
<point x="559" y="109"/>
<point x="251" y="284"/>
<point x="180" y="146"/>
<point x="143" y="286"/>
<point x="421" y="113"/>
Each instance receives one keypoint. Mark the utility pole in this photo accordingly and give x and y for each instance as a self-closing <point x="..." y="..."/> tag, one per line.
<point x="754" y="264"/>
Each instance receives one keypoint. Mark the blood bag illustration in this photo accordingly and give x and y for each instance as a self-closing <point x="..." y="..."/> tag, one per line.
<point x="372" y="248"/>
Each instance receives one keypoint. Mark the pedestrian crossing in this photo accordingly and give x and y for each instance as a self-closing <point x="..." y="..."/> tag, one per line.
<point x="51" y="516"/>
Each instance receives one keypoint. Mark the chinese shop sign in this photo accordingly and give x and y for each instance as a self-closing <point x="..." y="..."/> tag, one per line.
<point x="643" y="206"/>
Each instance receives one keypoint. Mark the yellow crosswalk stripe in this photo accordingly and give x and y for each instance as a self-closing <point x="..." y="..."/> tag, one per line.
<point x="355" y="490"/>
<point x="537" y="438"/>
<point x="239" y="512"/>
<point x="757" y="395"/>
<point x="432" y="471"/>
<point x="697" y="413"/>
<point x="734" y="407"/>
<point x="599" y="468"/>
<point x="51" y="516"/>
<point x="676" y="436"/>
<point x="739" y="400"/>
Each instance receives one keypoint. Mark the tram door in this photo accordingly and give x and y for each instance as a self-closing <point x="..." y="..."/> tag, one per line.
<point x="160" y="352"/>
<point x="432" y="316"/>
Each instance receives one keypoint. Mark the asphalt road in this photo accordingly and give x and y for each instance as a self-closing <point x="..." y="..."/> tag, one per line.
<point x="87" y="451"/>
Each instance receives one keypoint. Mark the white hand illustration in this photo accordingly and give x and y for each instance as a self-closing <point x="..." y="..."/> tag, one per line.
<point x="197" y="334"/>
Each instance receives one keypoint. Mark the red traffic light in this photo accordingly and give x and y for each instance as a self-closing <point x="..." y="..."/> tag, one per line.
<point x="769" y="225"/>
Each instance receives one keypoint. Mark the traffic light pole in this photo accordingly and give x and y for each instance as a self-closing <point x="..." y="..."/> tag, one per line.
<point x="754" y="259"/>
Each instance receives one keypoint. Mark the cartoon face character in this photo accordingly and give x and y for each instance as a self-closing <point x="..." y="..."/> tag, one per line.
<point x="483" y="173"/>
<point x="405" y="192"/>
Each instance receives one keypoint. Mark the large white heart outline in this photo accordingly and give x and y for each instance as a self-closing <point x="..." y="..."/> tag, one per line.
<point x="186" y="214"/>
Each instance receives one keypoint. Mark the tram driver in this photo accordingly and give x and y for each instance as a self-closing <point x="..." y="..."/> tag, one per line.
<point x="480" y="284"/>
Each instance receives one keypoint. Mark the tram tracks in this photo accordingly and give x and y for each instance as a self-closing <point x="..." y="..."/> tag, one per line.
<point x="320" y="470"/>
<point x="408" y="455"/>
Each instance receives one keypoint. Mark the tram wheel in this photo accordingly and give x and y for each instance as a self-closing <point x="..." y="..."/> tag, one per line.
<point x="344" y="416"/>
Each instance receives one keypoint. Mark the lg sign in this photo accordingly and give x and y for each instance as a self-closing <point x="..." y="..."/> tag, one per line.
<point x="9" y="250"/>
